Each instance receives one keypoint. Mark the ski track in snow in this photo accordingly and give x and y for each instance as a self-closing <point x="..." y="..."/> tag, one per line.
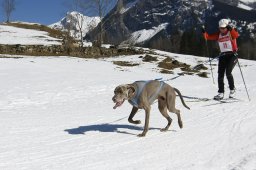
<point x="56" y="113"/>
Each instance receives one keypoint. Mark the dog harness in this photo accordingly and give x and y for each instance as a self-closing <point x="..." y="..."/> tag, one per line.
<point x="140" y="86"/>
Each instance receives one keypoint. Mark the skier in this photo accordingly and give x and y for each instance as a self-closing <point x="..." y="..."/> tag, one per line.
<point x="226" y="37"/>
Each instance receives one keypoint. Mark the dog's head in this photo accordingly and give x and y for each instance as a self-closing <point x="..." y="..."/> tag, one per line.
<point x="122" y="93"/>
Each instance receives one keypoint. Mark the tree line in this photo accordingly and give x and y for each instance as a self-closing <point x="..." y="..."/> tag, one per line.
<point x="192" y="42"/>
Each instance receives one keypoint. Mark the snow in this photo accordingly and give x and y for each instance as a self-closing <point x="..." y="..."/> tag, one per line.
<point x="243" y="6"/>
<point x="144" y="35"/>
<point x="14" y="35"/>
<point x="56" y="113"/>
<point x="76" y="20"/>
<point x="128" y="6"/>
<point x="247" y="1"/>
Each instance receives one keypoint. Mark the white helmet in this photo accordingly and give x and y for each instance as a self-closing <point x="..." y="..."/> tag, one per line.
<point x="223" y="23"/>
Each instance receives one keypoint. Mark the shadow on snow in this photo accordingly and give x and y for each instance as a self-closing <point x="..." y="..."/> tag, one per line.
<point x="104" y="128"/>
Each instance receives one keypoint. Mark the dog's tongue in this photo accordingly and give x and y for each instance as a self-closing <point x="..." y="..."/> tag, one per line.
<point x="117" y="104"/>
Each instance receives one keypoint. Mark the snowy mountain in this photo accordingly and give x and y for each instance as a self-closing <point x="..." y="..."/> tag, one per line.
<point x="244" y="4"/>
<point x="176" y="25"/>
<point x="73" y="21"/>
<point x="56" y="113"/>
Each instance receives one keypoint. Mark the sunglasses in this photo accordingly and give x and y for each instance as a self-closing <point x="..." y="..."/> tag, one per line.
<point x="222" y="28"/>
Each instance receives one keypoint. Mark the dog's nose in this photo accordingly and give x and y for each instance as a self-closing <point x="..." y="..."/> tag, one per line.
<point x="114" y="99"/>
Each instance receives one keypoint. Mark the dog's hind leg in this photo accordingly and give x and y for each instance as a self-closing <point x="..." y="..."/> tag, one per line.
<point x="177" y="112"/>
<point x="163" y="110"/>
<point x="133" y="112"/>
<point x="171" y="106"/>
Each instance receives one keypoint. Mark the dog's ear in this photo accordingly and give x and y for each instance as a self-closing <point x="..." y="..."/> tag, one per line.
<point x="131" y="90"/>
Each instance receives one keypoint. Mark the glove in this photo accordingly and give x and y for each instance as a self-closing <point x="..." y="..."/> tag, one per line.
<point x="203" y="29"/>
<point x="229" y="28"/>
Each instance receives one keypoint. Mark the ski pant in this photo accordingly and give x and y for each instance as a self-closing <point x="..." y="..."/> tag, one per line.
<point x="227" y="62"/>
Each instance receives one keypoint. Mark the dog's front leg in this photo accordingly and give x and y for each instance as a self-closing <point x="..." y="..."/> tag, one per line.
<point x="133" y="112"/>
<point x="147" y="112"/>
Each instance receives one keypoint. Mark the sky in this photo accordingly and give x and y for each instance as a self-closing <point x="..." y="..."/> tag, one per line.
<point x="38" y="11"/>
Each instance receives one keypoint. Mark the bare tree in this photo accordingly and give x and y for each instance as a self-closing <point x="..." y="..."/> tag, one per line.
<point x="68" y="40"/>
<point x="100" y="7"/>
<point x="80" y="23"/>
<point x="75" y="20"/>
<point x="8" y="8"/>
<point x="78" y="19"/>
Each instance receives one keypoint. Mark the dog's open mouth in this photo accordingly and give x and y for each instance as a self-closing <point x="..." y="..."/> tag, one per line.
<point x="118" y="104"/>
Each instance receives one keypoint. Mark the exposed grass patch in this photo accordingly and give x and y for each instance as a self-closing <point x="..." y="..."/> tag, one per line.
<point x="200" y="67"/>
<point x="164" y="71"/>
<point x="171" y="64"/>
<point x="188" y="69"/>
<point x="125" y="63"/>
<point x="203" y="74"/>
<point x="149" y="58"/>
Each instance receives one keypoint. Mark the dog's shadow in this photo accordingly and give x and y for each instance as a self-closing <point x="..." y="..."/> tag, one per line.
<point x="81" y="130"/>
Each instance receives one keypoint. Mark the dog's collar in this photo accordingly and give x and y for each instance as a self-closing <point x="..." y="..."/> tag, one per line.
<point x="140" y="86"/>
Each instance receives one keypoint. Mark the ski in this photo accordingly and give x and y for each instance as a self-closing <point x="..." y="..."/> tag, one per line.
<point x="224" y="101"/>
<point x="201" y="99"/>
<point x="198" y="99"/>
<point x="227" y="100"/>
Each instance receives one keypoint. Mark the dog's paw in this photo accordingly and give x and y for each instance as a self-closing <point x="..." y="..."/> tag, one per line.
<point x="163" y="130"/>
<point x="141" y="135"/>
<point x="135" y="122"/>
<point x="180" y="124"/>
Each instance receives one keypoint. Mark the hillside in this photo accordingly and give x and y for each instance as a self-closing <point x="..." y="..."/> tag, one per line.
<point x="38" y="40"/>
<point x="56" y="113"/>
<point x="29" y="34"/>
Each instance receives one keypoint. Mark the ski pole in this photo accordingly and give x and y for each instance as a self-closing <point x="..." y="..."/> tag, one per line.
<point x="207" y="51"/>
<point x="208" y="54"/>
<point x="243" y="79"/>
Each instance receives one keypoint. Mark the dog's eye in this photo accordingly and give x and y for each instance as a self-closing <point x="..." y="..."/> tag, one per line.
<point x="117" y="91"/>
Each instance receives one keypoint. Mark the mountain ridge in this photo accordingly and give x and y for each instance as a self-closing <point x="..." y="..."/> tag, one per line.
<point x="182" y="34"/>
<point x="73" y="20"/>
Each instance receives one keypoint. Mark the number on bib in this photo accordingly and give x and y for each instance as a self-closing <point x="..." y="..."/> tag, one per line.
<point x="225" y="45"/>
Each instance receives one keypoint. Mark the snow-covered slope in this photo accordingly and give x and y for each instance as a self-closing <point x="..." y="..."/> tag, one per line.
<point x="74" y="20"/>
<point x="56" y="113"/>
<point x="245" y="4"/>
<point x="10" y="35"/>
<point x="141" y="36"/>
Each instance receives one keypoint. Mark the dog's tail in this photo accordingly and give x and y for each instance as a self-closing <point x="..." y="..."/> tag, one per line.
<point x="181" y="98"/>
